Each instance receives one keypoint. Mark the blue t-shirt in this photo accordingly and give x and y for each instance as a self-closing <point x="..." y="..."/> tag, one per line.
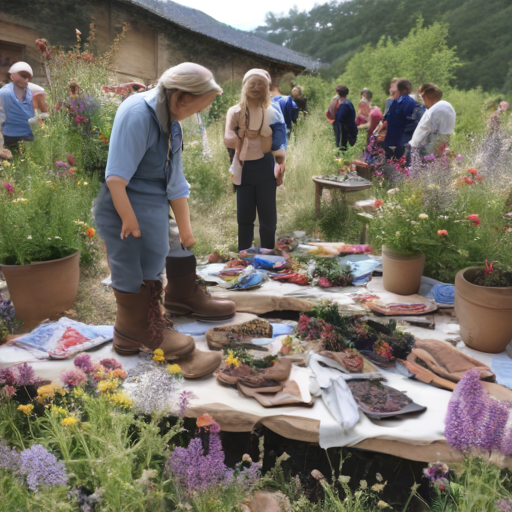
<point x="140" y="145"/>
<point x="401" y="122"/>
<point x="288" y="108"/>
<point x="17" y="112"/>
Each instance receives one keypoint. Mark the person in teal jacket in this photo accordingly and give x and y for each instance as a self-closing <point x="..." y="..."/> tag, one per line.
<point x="144" y="176"/>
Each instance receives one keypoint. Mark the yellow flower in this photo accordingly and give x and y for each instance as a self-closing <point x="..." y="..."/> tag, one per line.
<point x="6" y="163"/>
<point x="20" y="200"/>
<point x="26" y="409"/>
<point x="106" y="386"/>
<point x="158" y="355"/>
<point x="78" y="392"/>
<point x="174" y="368"/>
<point x="121" y="399"/>
<point x="47" y="391"/>
<point x="231" y="359"/>
<point x="58" y="410"/>
<point x="70" y="421"/>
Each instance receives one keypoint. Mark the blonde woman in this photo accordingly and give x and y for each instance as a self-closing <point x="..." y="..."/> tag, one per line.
<point x="257" y="132"/>
<point x="144" y="176"/>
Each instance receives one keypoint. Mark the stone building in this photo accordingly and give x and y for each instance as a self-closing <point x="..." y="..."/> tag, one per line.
<point x="160" y="34"/>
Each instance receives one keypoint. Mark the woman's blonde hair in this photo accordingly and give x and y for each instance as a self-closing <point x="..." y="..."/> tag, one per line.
<point x="244" y="100"/>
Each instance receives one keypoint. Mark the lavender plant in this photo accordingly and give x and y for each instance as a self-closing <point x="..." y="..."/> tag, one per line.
<point x="41" y="468"/>
<point x="8" y="320"/>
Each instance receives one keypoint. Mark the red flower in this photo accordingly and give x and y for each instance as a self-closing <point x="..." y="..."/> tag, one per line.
<point x="378" y="203"/>
<point x="442" y="232"/>
<point x="468" y="180"/>
<point x="324" y="282"/>
<point x="71" y="160"/>
<point x="473" y="171"/>
<point x="479" y="178"/>
<point x="473" y="218"/>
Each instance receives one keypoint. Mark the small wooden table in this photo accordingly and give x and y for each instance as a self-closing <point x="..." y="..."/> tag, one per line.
<point x="345" y="187"/>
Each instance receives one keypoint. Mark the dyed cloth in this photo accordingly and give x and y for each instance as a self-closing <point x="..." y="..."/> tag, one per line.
<point x="444" y="293"/>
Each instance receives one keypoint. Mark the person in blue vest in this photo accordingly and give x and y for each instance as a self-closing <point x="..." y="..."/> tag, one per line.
<point x="342" y="114"/>
<point x="16" y="100"/>
<point x="401" y="121"/>
<point x="286" y="105"/>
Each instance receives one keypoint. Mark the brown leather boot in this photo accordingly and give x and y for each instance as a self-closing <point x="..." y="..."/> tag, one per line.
<point x="184" y="297"/>
<point x="139" y="321"/>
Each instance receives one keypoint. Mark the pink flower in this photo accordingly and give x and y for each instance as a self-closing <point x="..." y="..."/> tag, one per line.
<point x="488" y="267"/>
<point x="61" y="165"/>
<point x="9" y="188"/>
<point x="324" y="282"/>
<point x="73" y="378"/>
<point x="8" y="391"/>
<point x="458" y="158"/>
<point x="504" y="106"/>
<point x="442" y="232"/>
<point x="473" y="218"/>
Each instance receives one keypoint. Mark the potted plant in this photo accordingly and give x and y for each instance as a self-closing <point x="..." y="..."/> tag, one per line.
<point x="44" y="217"/>
<point x="483" y="305"/>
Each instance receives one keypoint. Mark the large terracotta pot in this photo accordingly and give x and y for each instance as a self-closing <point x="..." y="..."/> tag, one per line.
<point x="484" y="313"/>
<point x="401" y="273"/>
<point x="44" y="289"/>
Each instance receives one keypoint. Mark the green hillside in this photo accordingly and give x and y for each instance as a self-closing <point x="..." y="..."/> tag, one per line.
<point x="333" y="31"/>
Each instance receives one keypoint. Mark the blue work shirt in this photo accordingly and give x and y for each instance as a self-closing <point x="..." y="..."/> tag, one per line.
<point x="401" y="123"/>
<point x="346" y="115"/>
<point x="17" y="112"/>
<point x="141" y="151"/>
<point x="288" y="108"/>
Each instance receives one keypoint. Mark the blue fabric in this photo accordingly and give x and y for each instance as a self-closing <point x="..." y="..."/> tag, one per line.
<point x="288" y="108"/>
<point x="17" y="112"/>
<point x="138" y="149"/>
<point x="444" y="293"/>
<point x="401" y="123"/>
<point x="278" y="126"/>
<point x="346" y="115"/>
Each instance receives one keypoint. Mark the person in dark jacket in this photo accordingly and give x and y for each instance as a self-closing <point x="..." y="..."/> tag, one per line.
<point x="401" y="122"/>
<point x="343" y="115"/>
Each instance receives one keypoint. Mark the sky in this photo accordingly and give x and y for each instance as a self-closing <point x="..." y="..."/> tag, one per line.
<point x="247" y="15"/>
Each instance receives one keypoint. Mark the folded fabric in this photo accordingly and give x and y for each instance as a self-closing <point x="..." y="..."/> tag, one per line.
<point x="446" y="361"/>
<point x="331" y="386"/>
<point x="270" y="262"/>
<point x="220" y="337"/>
<point x="248" y="280"/>
<point x="289" y="395"/>
<point x="444" y="293"/>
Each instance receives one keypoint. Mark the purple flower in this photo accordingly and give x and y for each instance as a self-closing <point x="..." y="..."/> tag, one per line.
<point x="249" y="474"/>
<point x="474" y="419"/>
<point x="111" y="364"/>
<point x="195" y="471"/>
<point x="10" y="459"/>
<point x="8" y="377"/>
<point x="41" y="468"/>
<point x="61" y="165"/>
<point x="184" y="402"/>
<point x="83" y="362"/>
<point x="504" y="505"/>
<point x="25" y="376"/>
<point x="8" y="391"/>
<point x="73" y="378"/>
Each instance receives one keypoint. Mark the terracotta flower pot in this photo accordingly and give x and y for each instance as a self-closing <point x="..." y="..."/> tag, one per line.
<point x="401" y="273"/>
<point x="44" y="289"/>
<point x="484" y="313"/>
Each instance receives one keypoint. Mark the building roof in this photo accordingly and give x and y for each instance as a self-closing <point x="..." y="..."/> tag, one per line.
<point x="199" y="22"/>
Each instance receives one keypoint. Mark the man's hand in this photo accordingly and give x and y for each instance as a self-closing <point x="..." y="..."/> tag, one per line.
<point x="279" y="170"/>
<point x="130" y="227"/>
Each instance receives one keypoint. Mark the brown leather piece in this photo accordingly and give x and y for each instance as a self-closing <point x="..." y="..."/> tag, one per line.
<point x="220" y="337"/>
<point x="139" y="321"/>
<point x="289" y="395"/>
<point x="199" y="364"/>
<point x="273" y="377"/>
<point x="446" y="361"/>
<point x="183" y="297"/>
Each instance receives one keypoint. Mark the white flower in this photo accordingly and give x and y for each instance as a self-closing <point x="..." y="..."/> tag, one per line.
<point x="397" y="233"/>
<point x="344" y="479"/>
<point x="58" y="238"/>
<point x="392" y="191"/>
<point x="49" y="238"/>
<point x="378" y="477"/>
<point x="423" y="216"/>
<point x="413" y="222"/>
<point x="29" y="237"/>
<point x="85" y="183"/>
<point x="363" y="484"/>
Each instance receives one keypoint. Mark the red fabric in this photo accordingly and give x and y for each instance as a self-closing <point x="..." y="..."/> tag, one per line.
<point x="375" y="119"/>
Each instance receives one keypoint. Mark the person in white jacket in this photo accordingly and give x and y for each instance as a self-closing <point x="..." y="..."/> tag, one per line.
<point x="437" y="123"/>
